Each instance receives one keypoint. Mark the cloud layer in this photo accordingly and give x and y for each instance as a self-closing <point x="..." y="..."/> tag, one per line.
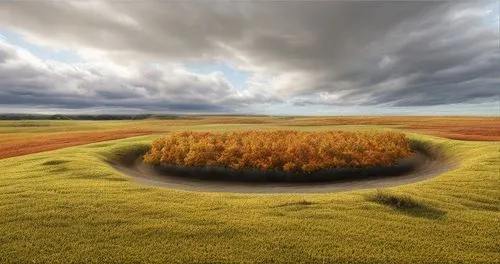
<point x="26" y="80"/>
<point x="297" y="53"/>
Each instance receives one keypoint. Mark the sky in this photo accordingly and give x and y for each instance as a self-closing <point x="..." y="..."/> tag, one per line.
<point x="250" y="57"/>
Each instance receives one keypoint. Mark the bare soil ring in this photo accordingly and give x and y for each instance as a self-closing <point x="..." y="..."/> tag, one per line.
<point x="423" y="165"/>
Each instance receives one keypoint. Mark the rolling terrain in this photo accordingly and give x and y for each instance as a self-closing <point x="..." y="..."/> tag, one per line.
<point x="62" y="202"/>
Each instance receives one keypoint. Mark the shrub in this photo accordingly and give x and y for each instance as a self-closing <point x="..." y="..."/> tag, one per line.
<point x="288" y="151"/>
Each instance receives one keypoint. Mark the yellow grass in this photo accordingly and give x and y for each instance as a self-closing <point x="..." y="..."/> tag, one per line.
<point x="70" y="206"/>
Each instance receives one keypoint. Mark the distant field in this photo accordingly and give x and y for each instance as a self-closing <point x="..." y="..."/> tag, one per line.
<point x="466" y="128"/>
<point x="71" y="206"/>
<point x="17" y="146"/>
<point x="31" y="136"/>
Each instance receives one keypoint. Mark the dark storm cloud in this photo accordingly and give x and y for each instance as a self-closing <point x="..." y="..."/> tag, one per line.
<point x="340" y="53"/>
<point x="79" y="103"/>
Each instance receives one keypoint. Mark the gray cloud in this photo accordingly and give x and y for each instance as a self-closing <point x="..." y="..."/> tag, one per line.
<point x="25" y="80"/>
<point x="333" y="53"/>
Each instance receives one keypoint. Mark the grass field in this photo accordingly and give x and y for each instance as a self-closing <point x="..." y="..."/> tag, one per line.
<point x="68" y="205"/>
<point x="18" y="137"/>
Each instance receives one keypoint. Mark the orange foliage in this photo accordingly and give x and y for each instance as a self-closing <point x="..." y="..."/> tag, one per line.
<point x="31" y="145"/>
<point x="288" y="151"/>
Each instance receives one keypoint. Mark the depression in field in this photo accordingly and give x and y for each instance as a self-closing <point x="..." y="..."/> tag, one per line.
<point x="247" y="131"/>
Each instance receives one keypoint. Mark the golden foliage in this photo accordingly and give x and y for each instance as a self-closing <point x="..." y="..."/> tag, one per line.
<point x="288" y="151"/>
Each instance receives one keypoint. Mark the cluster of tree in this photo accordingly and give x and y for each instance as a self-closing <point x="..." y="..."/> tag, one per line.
<point x="289" y="151"/>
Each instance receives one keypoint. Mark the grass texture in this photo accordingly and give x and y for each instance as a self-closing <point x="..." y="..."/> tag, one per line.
<point x="70" y="206"/>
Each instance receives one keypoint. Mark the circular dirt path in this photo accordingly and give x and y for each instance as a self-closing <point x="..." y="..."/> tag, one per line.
<point x="425" y="166"/>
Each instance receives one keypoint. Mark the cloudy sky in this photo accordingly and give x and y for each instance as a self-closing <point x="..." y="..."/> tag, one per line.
<point x="252" y="57"/>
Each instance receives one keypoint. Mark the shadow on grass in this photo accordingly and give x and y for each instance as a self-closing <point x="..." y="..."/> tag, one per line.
<point x="298" y="203"/>
<point x="54" y="162"/>
<point x="407" y="205"/>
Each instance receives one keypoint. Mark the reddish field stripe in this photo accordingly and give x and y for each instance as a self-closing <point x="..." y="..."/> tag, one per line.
<point x="472" y="132"/>
<point x="58" y="140"/>
<point x="460" y="136"/>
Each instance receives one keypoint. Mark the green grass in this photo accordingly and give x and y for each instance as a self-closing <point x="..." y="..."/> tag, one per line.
<point x="70" y="206"/>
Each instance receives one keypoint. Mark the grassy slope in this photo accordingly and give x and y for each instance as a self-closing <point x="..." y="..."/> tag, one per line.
<point x="69" y="206"/>
<point x="19" y="138"/>
<point x="27" y="127"/>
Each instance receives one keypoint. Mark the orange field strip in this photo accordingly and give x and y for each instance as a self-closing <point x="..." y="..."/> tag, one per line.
<point x="461" y="128"/>
<point x="474" y="131"/>
<point x="471" y="134"/>
<point x="18" y="147"/>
